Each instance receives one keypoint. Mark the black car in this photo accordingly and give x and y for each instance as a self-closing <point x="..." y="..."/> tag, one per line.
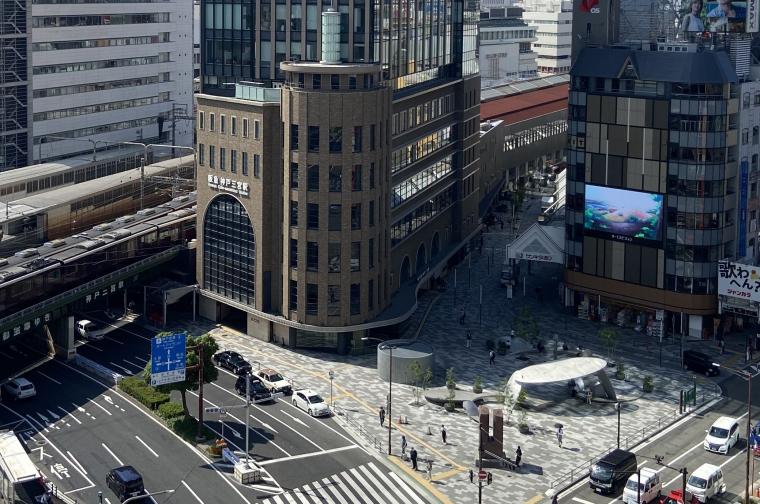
<point x="612" y="471"/>
<point x="701" y="363"/>
<point x="125" y="482"/>
<point x="258" y="391"/>
<point x="232" y="361"/>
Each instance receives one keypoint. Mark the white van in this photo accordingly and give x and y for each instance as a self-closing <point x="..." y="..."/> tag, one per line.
<point x="705" y="482"/>
<point x="723" y="434"/>
<point x="89" y="330"/>
<point x="649" y="487"/>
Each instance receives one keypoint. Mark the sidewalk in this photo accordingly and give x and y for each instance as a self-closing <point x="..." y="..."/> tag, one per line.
<point x="359" y="393"/>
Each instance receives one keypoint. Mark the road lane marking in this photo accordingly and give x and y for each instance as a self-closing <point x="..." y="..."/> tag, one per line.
<point x="49" y="378"/>
<point x="161" y="425"/>
<point x="146" y="446"/>
<point x="107" y="501"/>
<point x="324" y="424"/>
<point x="70" y="415"/>
<point x="94" y="347"/>
<point x="144" y="361"/>
<point x="112" y="453"/>
<point x="75" y="461"/>
<point x="720" y="466"/>
<point x="367" y="475"/>
<point x="82" y="410"/>
<point x="128" y="371"/>
<point x="388" y="483"/>
<point x="115" y="341"/>
<point x="191" y="491"/>
<point x="297" y="420"/>
<point x="329" y="487"/>
<point x="99" y="406"/>
<point x="266" y="425"/>
<point x="53" y="415"/>
<point x="307" y="455"/>
<point x="138" y="366"/>
<point x="582" y="501"/>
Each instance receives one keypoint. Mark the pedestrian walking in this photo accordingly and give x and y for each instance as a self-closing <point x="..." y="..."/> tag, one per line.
<point x="469" y="338"/>
<point x="413" y="456"/>
<point x="554" y="499"/>
<point x="462" y="315"/>
<point x="518" y="456"/>
<point x="472" y="476"/>
<point x="589" y="396"/>
<point x="403" y="447"/>
<point x="443" y="434"/>
<point x="382" y="416"/>
<point x="430" y="469"/>
<point x="491" y="358"/>
<point x="722" y="346"/>
<point x="560" y="435"/>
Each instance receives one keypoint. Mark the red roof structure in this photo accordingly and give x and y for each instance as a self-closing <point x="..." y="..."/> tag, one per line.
<point x="519" y="107"/>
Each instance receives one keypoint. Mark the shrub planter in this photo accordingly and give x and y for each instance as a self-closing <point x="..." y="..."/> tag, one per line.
<point x="502" y="348"/>
<point x="449" y="406"/>
<point x="524" y="428"/>
<point x="648" y="384"/>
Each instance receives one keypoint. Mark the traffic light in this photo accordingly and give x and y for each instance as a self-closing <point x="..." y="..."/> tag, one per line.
<point x="490" y="478"/>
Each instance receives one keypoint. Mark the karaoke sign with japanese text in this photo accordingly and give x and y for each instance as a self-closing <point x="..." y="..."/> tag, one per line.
<point x="739" y="280"/>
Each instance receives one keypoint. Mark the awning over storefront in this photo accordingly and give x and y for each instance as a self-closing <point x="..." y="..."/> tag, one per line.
<point x="540" y="243"/>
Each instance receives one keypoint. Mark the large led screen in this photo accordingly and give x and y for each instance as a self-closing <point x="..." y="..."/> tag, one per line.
<point x="623" y="215"/>
<point x="719" y="16"/>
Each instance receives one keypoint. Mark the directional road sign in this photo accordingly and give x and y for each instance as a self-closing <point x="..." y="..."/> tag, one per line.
<point x="168" y="359"/>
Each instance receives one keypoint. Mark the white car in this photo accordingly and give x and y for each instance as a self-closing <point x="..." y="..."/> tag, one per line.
<point x="274" y="381"/>
<point x="311" y="402"/>
<point x="89" y="330"/>
<point x="706" y="482"/>
<point x="723" y="434"/>
<point x="19" y="388"/>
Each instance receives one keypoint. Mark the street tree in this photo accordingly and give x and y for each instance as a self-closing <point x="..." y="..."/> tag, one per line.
<point x="210" y="373"/>
<point x="609" y="337"/>
<point x="526" y="326"/>
<point x="421" y="378"/>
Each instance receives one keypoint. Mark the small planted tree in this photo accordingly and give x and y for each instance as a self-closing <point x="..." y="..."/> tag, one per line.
<point x="477" y="386"/>
<point x="421" y="378"/>
<point x="609" y="337"/>
<point x="526" y="326"/>
<point x="510" y="401"/>
<point x="451" y="383"/>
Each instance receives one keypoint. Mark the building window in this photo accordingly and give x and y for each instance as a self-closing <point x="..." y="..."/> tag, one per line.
<point x="316" y="81"/>
<point x="372" y="213"/>
<point x="335" y="81"/>
<point x="356" y="216"/>
<point x="201" y="154"/>
<point x="356" y="178"/>
<point x="212" y="121"/>
<point x="336" y="139"/>
<point x="313" y="138"/>
<point x="233" y="161"/>
<point x="233" y="125"/>
<point x="356" y="253"/>
<point x="256" y="129"/>
<point x="336" y="178"/>
<point x="312" y="256"/>
<point x="745" y="136"/>
<point x="312" y="299"/>
<point x="334" y="217"/>
<point x="256" y="165"/>
<point x="293" y="295"/>
<point x="293" y="253"/>
<point x="293" y="175"/>
<point x="293" y="213"/>
<point x="355" y="299"/>
<point x="245" y="127"/>
<point x="371" y="295"/>
<point x="755" y="135"/>
<point x="201" y="120"/>
<point x="222" y="158"/>
<point x="746" y="100"/>
<point x="372" y="175"/>
<point x="229" y="250"/>
<point x="333" y="257"/>
<point x="312" y="215"/>
<point x="333" y="300"/>
<point x="245" y="163"/>
<point x="371" y="253"/>
<point x="312" y="178"/>
<point x="212" y="156"/>
<point x="222" y="124"/>
<point x="293" y="137"/>
<point x="356" y="144"/>
<point x="372" y="137"/>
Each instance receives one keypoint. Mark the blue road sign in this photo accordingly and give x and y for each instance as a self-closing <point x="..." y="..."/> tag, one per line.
<point x="168" y="358"/>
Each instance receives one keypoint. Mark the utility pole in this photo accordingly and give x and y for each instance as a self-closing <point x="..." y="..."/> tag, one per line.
<point x="247" y="416"/>
<point x="142" y="181"/>
<point x="749" y="432"/>
<point x="199" y="349"/>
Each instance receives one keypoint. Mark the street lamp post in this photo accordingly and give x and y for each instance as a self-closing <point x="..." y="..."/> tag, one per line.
<point x="331" y="374"/>
<point x="617" y="407"/>
<point x="148" y="494"/>
<point x="390" y="383"/>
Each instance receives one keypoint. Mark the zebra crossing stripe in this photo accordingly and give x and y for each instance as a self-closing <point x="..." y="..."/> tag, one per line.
<point x="277" y="500"/>
<point x="354" y="485"/>
<point x="331" y="487"/>
<point x="380" y="492"/>
<point x="291" y="500"/>
<point x="381" y="485"/>
<point x="394" y="486"/>
<point x="303" y="494"/>
<point x="321" y="493"/>
<point x="406" y="488"/>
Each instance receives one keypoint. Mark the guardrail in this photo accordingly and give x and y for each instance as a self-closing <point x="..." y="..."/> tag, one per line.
<point x="60" y="495"/>
<point x="109" y="375"/>
<point x="356" y="425"/>
<point x="581" y="471"/>
<point x="91" y="285"/>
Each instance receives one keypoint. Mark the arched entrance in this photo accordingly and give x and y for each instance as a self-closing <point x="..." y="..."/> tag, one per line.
<point x="405" y="270"/>
<point x="229" y="250"/>
<point x="421" y="262"/>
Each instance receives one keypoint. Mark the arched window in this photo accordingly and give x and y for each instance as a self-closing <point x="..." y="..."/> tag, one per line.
<point x="229" y="250"/>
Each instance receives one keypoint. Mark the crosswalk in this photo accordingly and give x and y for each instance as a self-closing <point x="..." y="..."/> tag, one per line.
<point x="365" y="484"/>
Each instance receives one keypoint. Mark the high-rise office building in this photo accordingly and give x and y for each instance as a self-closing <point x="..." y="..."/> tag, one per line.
<point x="102" y="72"/>
<point x="552" y="20"/>
<point x="345" y="180"/>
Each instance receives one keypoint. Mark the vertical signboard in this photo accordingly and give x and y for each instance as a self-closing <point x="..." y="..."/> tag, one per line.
<point x="741" y="281"/>
<point x="742" y="248"/>
<point x="168" y="359"/>
<point x="753" y="24"/>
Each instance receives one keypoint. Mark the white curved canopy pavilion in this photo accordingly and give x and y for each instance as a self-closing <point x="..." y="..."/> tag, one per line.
<point x="565" y="370"/>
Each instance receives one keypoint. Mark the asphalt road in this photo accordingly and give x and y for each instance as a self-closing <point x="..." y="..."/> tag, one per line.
<point x="682" y="446"/>
<point x="78" y="429"/>
<point x="299" y="453"/>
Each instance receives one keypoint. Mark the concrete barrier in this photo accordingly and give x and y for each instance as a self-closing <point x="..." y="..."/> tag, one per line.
<point x="111" y="377"/>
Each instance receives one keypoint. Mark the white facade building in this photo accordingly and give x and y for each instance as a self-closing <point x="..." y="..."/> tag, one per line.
<point x="110" y="71"/>
<point x="505" y="51"/>
<point x="553" y="21"/>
